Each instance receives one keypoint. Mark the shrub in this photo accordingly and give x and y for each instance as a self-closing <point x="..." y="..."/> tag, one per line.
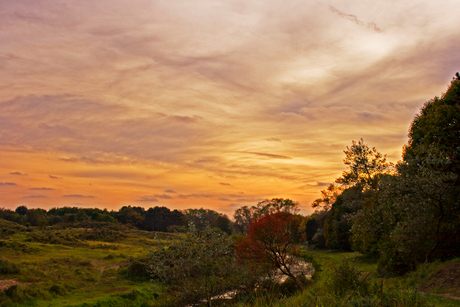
<point x="58" y="289"/>
<point x="7" y="267"/>
<point x="139" y="269"/>
<point x="347" y="278"/>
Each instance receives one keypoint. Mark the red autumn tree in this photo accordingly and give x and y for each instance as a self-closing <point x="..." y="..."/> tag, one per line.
<point x="271" y="244"/>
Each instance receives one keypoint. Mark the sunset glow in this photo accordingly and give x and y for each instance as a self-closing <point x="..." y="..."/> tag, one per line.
<point x="214" y="104"/>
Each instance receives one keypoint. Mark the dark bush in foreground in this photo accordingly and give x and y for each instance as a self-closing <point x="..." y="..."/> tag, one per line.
<point x="7" y="267"/>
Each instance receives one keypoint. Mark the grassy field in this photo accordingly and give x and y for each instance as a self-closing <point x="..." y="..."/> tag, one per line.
<point x="76" y="266"/>
<point x="433" y="284"/>
<point x="103" y="265"/>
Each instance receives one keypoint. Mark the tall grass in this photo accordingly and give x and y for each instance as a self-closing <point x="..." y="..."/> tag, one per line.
<point x="340" y="282"/>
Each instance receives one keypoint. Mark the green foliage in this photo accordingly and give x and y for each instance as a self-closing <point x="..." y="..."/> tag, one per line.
<point x="21" y="210"/>
<point x="406" y="215"/>
<point x="364" y="166"/>
<point x="58" y="289"/>
<point x="42" y="273"/>
<point x="162" y="219"/>
<point x="8" y="228"/>
<point x="202" y="218"/>
<point x="438" y="125"/>
<point x="198" y="267"/>
<point x="139" y="269"/>
<point x="7" y="267"/>
<point x="347" y="278"/>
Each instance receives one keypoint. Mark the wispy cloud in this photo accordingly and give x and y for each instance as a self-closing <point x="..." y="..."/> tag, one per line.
<point x="267" y="155"/>
<point x="163" y="196"/>
<point x="136" y="98"/>
<point x="148" y="199"/>
<point x="35" y="196"/>
<point x="355" y="19"/>
<point x="78" y="196"/>
<point x="196" y="196"/>
<point x="17" y="173"/>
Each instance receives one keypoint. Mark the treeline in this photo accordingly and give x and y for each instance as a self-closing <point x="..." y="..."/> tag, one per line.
<point x="153" y="219"/>
<point x="401" y="214"/>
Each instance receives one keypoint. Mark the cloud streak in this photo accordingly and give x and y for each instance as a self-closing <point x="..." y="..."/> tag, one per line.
<point x="176" y="100"/>
<point x="354" y="18"/>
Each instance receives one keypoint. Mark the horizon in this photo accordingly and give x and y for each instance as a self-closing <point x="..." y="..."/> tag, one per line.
<point x="210" y="104"/>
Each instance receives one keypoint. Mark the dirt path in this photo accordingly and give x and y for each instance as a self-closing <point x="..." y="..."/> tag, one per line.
<point x="445" y="280"/>
<point x="6" y="283"/>
<point x="446" y="295"/>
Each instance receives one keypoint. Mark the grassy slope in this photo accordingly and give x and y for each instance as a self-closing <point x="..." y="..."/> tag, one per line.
<point x="61" y="269"/>
<point x="426" y="282"/>
<point x="82" y="267"/>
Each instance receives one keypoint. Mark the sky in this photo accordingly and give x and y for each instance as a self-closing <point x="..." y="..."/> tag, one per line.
<point x="208" y="103"/>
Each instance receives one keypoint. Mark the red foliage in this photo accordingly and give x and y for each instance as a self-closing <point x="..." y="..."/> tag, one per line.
<point x="270" y="241"/>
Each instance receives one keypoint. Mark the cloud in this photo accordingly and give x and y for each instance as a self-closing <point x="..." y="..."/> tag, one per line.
<point x="164" y="196"/>
<point x="236" y="195"/>
<point x="266" y="95"/>
<point x="110" y="174"/>
<point x="17" y="173"/>
<point x="78" y="196"/>
<point x="170" y="191"/>
<point x="41" y="189"/>
<point x="34" y="196"/>
<point x="369" y="116"/>
<point x="351" y="17"/>
<point x="7" y="183"/>
<point x="224" y="183"/>
<point x="186" y="196"/>
<point x="267" y="155"/>
<point x="41" y="123"/>
<point x="322" y="184"/>
<point x="148" y="199"/>
<point x="84" y="160"/>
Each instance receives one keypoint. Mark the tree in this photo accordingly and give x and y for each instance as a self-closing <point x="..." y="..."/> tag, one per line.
<point x="21" y="210"/>
<point x="429" y="181"/>
<point x="204" y="217"/>
<point x="37" y="217"/>
<point x="340" y="218"/>
<point x="131" y="215"/>
<point x="271" y="243"/>
<point x="357" y="186"/>
<point x="160" y="218"/>
<point x="245" y="214"/>
<point x="199" y="267"/>
<point x="414" y="215"/>
<point x="243" y="217"/>
<point x="438" y="125"/>
<point x="328" y="197"/>
<point x="364" y="166"/>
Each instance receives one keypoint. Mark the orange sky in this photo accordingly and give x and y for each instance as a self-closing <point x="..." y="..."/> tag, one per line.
<point x="214" y="104"/>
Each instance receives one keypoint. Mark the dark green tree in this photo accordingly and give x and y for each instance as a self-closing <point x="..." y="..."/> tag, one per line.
<point x="437" y="125"/>
<point x="357" y="186"/>
<point x="204" y="217"/>
<point x="21" y="210"/>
